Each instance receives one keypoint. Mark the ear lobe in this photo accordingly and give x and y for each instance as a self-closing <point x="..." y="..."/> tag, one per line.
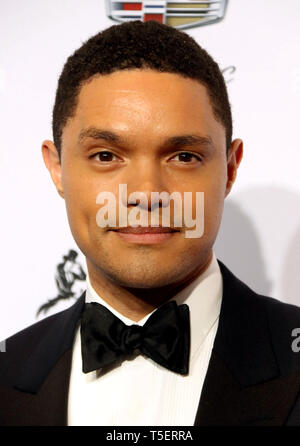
<point x="235" y="156"/>
<point x="52" y="163"/>
<point x="61" y="193"/>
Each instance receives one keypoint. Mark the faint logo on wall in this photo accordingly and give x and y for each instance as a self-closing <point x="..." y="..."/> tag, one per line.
<point x="228" y="73"/>
<point x="179" y="14"/>
<point x="68" y="273"/>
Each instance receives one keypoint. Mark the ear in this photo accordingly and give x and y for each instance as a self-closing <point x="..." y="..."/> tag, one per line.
<point x="52" y="162"/>
<point x="234" y="157"/>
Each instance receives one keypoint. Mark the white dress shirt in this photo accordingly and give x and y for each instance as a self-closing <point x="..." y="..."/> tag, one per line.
<point x="138" y="391"/>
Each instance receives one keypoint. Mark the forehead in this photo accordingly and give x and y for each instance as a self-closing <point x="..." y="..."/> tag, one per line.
<point x="142" y="86"/>
<point x="143" y="80"/>
<point x="145" y="100"/>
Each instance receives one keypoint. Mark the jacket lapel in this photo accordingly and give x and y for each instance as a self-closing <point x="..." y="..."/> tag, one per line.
<point x="42" y="384"/>
<point x="244" y="384"/>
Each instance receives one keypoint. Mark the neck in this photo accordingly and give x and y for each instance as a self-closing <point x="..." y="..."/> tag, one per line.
<point x="136" y="303"/>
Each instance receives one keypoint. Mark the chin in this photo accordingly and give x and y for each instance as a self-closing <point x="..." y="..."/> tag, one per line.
<point x="143" y="279"/>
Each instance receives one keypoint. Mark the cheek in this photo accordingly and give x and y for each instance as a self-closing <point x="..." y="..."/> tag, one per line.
<point x="80" y="199"/>
<point x="213" y="185"/>
<point x="213" y="207"/>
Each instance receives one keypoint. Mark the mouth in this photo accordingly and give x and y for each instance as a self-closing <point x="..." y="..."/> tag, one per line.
<point x="146" y="235"/>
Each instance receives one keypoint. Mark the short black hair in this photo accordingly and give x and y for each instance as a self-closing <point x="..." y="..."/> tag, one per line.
<point x="137" y="44"/>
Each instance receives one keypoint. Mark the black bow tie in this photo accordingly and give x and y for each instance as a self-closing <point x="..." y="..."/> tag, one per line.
<point x="165" y="337"/>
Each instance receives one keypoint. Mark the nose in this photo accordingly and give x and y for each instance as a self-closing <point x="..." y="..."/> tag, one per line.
<point x="146" y="177"/>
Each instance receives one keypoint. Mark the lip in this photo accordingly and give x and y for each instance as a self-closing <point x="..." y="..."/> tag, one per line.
<point x="146" y="230"/>
<point x="146" y="235"/>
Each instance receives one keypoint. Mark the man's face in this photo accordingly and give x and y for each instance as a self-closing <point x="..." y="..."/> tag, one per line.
<point x="143" y="109"/>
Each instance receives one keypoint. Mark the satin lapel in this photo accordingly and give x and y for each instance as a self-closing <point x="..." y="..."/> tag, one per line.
<point x="224" y="402"/>
<point x="243" y="384"/>
<point x="47" y="406"/>
<point x="41" y="387"/>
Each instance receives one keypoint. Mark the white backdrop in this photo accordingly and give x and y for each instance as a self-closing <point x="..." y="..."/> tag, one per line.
<point x="260" y="233"/>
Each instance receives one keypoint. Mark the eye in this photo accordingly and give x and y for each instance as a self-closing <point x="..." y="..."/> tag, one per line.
<point x="105" y="156"/>
<point x="186" y="157"/>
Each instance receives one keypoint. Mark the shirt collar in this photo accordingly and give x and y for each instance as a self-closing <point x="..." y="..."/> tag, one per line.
<point x="203" y="296"/>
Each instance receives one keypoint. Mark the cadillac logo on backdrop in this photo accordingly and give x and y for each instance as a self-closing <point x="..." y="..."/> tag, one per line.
<point x="176" y="13"/>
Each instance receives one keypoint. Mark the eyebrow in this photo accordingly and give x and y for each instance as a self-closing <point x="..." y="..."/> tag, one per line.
<point x="174" y="141"/>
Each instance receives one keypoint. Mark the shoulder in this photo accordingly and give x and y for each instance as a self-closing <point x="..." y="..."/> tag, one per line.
<point x="258" y="324"/>
<point x="19" y="347"/>
<point x="244" y="297"/>
<point x="284" y="327"/>
<point x="27" y="338"/>
<point x="282" y="316"/>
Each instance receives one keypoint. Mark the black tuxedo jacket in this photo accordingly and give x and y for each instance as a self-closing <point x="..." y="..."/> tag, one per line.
<point x="253" y="376"/>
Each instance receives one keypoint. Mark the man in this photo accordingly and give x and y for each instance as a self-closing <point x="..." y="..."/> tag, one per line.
<point x="165" y="334"/>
